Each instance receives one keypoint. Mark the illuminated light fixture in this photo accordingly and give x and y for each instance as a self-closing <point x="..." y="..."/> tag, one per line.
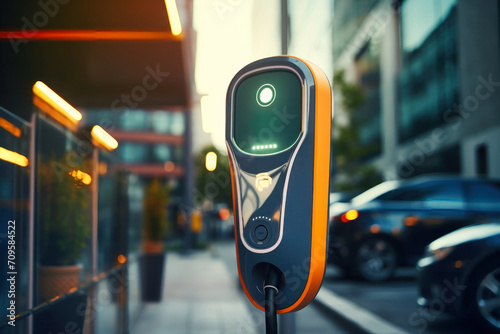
<point x="375" y="228"/>
<point x="9" y="127"/>
<point x="103" y="168"/>
<point x="411" y="221"/>
<point x="459" y="264"/>
<point x="349" y="215"/>
<point x="224" y="213"/>
<point x="88" y="35"/>
<point x="264" y="147"/>
<point x="211" y="161"/>
<point x="207" y="122"/>
<point x="102" y="137"/>
<point x="169" y="166"/>
<point x="80" y="176"/>
<point x="122" y="259"/>
<point x="266" y="95"/>
<point x="57" y="103"/>
<point x="13" y="157"/>
<point x="173" y="17"/>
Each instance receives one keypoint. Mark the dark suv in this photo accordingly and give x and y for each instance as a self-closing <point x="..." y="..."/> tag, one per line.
<point x="390" y="224"/>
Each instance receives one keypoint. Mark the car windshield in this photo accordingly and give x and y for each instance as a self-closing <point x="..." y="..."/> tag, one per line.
<point x="375" y="192"/>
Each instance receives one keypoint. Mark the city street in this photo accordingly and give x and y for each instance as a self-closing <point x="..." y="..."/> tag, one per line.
<point x="395" y="302"/>
<point x="391" y="303"/>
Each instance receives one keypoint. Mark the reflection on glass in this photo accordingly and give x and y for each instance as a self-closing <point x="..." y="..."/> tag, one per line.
<point x="14" y="204"/>
<point x="62" y="211"/>
<point x="428" y="80"/>
<point x="421" y="18"/>
<point x="9" y="127"/>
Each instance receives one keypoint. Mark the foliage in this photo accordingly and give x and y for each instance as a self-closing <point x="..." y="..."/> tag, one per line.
<point x="214" y="186"/>
<point x="156" y="199"/>
<point x="64" y="202"/>
<point x="348" y="150"/>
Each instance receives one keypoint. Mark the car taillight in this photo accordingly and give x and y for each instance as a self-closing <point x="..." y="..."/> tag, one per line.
<point x="349" y="215"/>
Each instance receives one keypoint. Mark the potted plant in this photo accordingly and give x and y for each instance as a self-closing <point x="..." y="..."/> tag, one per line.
<point x="156" y="198"/>
<point x="63" y="205"/>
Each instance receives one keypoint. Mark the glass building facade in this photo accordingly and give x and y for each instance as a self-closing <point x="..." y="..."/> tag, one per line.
<point x="420" y="64"/>
<point x="428" y="82"/>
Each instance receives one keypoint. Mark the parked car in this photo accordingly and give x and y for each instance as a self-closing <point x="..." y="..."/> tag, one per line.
<point x="460" y="272"/>
<point x="390" y="224"/>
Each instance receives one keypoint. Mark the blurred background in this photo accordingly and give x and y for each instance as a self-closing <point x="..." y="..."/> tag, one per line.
<point x="112" y="148"/>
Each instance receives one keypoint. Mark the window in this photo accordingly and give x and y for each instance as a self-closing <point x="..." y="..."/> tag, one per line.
<point x="420" y="19"/>
<point x="428" y="80"/>
<point x="431" y="192"/>
<point x="485" y="193"/>
<point x="135" y="120"/>
<point x="133" y="153"/>
<point x="482" y="160"/>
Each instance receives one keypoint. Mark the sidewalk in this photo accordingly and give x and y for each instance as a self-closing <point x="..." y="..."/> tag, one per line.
<point x="202" y="296"/>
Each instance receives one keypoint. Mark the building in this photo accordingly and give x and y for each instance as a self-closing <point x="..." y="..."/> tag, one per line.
<point x="128" y="67"/>
<point x="429" y="71"/>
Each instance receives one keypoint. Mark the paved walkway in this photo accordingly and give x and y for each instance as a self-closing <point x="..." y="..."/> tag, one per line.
<point x="202" y="295"/>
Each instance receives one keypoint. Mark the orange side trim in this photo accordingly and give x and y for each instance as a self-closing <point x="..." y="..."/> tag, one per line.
<point x="320" y="188"/>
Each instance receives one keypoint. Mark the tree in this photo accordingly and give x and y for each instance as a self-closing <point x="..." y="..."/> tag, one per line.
<point x="213" y="185"/>
<point x="354" y="174"/>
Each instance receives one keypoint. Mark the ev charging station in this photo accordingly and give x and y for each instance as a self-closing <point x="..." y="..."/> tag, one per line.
<point x="278" y="132"/>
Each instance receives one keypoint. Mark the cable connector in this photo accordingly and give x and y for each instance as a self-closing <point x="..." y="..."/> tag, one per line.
<point x="271" y="289"/>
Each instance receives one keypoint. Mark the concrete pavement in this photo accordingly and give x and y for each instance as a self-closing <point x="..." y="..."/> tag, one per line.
<point x="202" y="295"/>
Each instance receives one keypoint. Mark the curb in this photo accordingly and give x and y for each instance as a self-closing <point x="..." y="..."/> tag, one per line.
<point x="365" y="321"/>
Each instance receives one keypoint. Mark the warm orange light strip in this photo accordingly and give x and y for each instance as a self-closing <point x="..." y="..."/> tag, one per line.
<point x="9" y="127"/>
<point x="55" y="101"/>
<point x="173" y="17"/>
<point x="13" y="157"/>
<point x="104" y="138"/>
<point x="88" y="35"/>
<point x="81" y="176"/>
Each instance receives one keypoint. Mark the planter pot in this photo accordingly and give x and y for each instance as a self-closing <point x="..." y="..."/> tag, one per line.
<point x="64" y="316"/>
<point x="152" y="267"/>
<point x="57" y="280"/>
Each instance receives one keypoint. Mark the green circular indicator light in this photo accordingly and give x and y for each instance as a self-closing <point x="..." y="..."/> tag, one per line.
<point x="265" y="95"/>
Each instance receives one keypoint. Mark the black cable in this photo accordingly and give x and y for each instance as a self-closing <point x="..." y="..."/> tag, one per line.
<point x="271" y="285"/>
<point x="270" y="309"/>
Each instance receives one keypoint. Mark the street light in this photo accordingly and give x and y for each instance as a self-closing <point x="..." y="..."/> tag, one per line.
<point x="54" y="105"/>
<point x="102" y="137"/>
<point x="211" y="161"/>
<point x="13" y="157"/>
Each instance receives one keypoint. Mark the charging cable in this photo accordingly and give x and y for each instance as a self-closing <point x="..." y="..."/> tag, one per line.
<point x="271" y="285"/>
